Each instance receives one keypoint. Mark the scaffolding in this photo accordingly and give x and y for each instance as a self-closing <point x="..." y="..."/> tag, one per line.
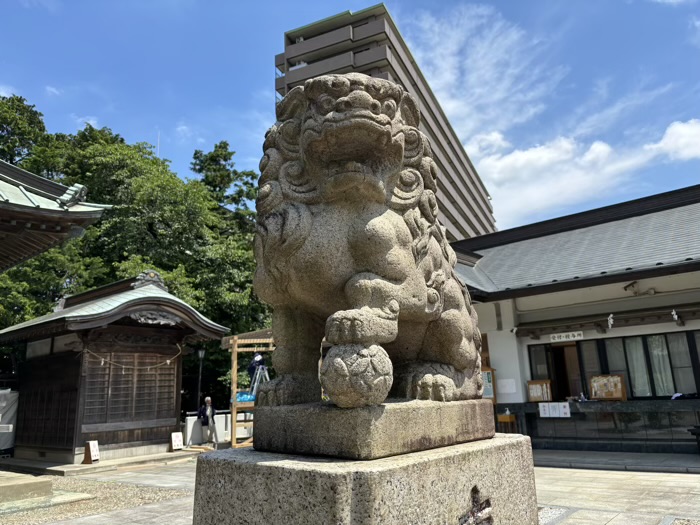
<point x="258" y="341"/>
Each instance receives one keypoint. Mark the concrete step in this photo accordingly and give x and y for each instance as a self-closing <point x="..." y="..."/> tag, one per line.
<point x="15" y="487"/>
<point x="42" y="467"/>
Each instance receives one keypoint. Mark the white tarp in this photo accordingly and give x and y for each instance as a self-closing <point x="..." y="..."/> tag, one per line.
<point x="8" y="418"/>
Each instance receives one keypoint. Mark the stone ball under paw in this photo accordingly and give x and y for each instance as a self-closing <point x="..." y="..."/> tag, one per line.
<point x="355" y="376"/>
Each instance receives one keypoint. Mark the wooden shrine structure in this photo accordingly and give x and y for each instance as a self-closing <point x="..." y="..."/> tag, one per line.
<point x="37" y="214"/>
<point x="106" y="366"/>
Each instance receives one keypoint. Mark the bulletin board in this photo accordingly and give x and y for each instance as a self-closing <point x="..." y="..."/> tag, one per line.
<point x="539" y="390"/>
<point x="610" y="387"/>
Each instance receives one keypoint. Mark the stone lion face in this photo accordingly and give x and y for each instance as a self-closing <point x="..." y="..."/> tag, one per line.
<point x="350" y="133"/>
<point x="349" y="116"/>
<point x="343" y="137"/>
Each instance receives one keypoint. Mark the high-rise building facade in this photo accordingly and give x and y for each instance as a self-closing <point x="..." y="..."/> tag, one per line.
<point x="368" y="42"/>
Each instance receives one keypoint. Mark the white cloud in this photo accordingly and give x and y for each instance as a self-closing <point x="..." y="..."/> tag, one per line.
<point x="673" y="2"/>
<point x="187" y="133"/>
<point x="87" y="119"/>
<point x="487" y="144"/>
<point x="52" y="6"/>
<point x="183" y="131"/>
<point x="488" y="73"/>
<point x="565" y="171"/>
<point x="603" y="119"/>
<point x="681" y="141"/>
<point x="492" y="77"/>
<point x="695" y="31"/>
<point x="7" y="91"/>
<point x="527" y="182"/>
<point x="50" y="90"/>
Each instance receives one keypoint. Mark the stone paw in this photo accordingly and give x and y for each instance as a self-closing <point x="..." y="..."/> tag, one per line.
<point x="434" y="382"/>
<point x="289" y="390"/>
<point x="363" y="325"/>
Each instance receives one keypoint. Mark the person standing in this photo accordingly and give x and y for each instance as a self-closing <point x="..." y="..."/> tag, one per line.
<point x="206" y="416"/>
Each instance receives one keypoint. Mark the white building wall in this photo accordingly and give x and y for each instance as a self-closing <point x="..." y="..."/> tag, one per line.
<point x="508" y="351"/>
<point x="497" y="320"/>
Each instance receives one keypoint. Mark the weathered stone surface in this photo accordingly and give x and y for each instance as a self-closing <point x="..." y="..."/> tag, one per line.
<point x="355" y="376"/>
<point x="485" y="482"/>
<point x="371" y="432"/>
<point x="348" y="246"/>
<point x="15" y="487"/>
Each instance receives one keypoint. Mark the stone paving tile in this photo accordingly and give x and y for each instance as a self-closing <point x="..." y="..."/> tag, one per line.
<point x="587" y="497"/>
<point x="594" y="515"/>
<point x="573" y="521"/>
<point x="173" y="512"/>
<point x="635" y="519"/>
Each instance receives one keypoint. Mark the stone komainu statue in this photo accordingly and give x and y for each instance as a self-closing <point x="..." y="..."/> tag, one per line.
<point x="349" y="247"/>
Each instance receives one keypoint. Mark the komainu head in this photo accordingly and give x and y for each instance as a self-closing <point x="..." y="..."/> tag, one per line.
<point x="347" y="137"/>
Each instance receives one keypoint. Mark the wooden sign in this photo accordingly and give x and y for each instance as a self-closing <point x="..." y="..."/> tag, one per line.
<point x="539" y="391"/>
<point x="610" y="387"/>
<point x="176" y="441"/>
<point x="92" y="452"/>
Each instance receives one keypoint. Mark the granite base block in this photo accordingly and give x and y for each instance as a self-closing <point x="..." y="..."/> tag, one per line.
<point x="388" y="429"/>
<point x="485" y="482"/>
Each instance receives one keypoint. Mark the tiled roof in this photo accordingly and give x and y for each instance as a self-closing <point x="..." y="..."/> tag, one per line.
<point x="37" y="214"/>
<point x="148" y="296"/>
<point x="664" y="239"/>
<point x="23" y="189"/>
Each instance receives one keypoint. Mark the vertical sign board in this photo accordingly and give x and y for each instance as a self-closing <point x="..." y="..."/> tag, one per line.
<point x="176" y="441"/>
<point x="487" y="376"/>
<point x="564" y="410"/>
<point x="553" y="409"/>
<point x="92" y="452"/>
<point x="544" y="409"/>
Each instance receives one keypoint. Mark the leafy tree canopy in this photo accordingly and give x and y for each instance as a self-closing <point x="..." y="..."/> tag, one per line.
<point x="197" y="233"/>
<point x="21" y="127"/>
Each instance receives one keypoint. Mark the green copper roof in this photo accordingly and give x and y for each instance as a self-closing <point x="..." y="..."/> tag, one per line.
<point x="22" y="189"/>
<point x="137" y="295"/>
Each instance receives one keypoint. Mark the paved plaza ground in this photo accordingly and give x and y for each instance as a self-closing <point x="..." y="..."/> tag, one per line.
<point x="567" y="497"/>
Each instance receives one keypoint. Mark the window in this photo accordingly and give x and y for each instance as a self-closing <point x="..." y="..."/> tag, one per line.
<point x="636" y="361"/>
<point x="681" y="363"/>
<point x="129" y="387"/>
<point x="657" y="365"/>
<point x="590" y="360"/>
<point x="615" y="354"/>
<point x="538" y="362"/>
<point x="660" y="365"/>
<point x="573" y="370"/>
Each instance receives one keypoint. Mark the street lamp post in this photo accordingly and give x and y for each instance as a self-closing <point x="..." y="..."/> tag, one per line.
<point x="200" y="353"/>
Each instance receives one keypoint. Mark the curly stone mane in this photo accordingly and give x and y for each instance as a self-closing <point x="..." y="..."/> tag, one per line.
<point x="285" y="191"/>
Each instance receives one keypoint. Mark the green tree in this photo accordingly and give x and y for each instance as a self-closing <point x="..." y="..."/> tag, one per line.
<point x="233" y="190"/>
<point x="21" y="128"/>
<point x="197" y="233"/>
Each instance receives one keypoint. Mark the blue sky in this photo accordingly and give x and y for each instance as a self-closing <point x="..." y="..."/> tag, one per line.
<point x="562" y="106"/>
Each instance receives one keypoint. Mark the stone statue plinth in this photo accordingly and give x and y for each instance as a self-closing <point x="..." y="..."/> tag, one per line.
<point x="487" y="482"/>
<point x="372" y="432"/>
<point x="350" y="252"/>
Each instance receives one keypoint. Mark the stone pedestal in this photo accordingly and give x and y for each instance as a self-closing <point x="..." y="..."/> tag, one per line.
<point x="389" y="429"/>
<point x="481" y="483"/>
